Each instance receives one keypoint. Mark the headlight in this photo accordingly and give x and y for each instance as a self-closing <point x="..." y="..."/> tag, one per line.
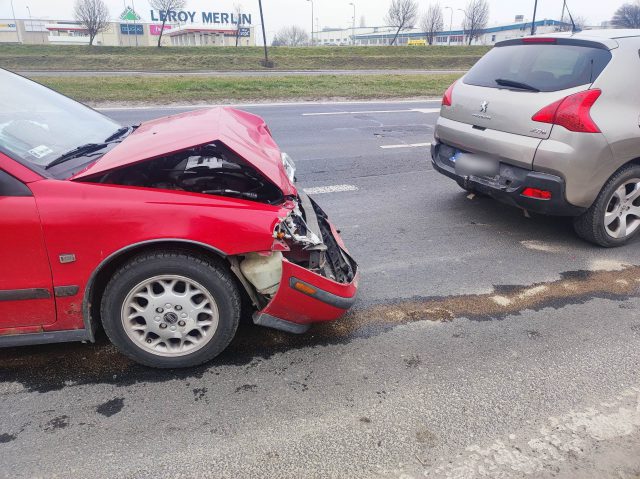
<point x="289" y="167"/>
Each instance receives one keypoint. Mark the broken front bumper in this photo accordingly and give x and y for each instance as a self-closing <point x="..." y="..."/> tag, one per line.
<point x="306" y="297"/>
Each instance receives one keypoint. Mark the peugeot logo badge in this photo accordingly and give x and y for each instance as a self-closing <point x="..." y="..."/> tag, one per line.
<point x="483" y="106"/>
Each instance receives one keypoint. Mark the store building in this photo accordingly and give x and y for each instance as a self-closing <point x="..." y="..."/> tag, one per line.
<point x="131" y="31"/>
<point x="196" y="36"/>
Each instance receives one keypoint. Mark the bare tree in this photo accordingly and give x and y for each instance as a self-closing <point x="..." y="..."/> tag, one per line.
<point x="432" y="22"/>
<point x="164" y="7"/>
<point x="580" y="21"/>
<point x="93" y="15"/>
<point x="402" y="14"/>
<point x="292" y="36"/>
<point x="476" y="18"/>
<point x="627" y="16"/>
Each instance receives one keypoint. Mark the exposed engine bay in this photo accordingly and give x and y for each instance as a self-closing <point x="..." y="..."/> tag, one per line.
<point x="209" y="169"/>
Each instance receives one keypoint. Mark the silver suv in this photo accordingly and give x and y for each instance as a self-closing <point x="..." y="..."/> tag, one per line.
<point x="551" y="124"/>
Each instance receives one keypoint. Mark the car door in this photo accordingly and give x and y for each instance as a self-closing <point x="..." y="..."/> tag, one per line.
<point x="26" y="288"/>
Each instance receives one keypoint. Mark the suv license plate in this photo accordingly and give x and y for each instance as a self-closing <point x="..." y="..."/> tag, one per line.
<point x="476" y="165"/>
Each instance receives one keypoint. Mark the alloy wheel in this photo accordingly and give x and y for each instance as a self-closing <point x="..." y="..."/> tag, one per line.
<point x="170" y="315"/>
<point x="622" y="216"/>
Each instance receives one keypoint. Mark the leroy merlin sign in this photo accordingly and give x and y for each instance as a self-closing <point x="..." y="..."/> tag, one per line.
<point x="130" y="15"/>
<point x="220" y="18"/>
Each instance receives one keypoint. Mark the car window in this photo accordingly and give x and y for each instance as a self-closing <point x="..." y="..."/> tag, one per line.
<point x="10" y="186"/>
<point x="546" y="67"/>
<point x="37" y="125"/>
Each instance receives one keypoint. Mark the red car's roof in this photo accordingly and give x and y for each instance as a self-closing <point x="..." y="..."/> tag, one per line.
<point x="244" y="133"/>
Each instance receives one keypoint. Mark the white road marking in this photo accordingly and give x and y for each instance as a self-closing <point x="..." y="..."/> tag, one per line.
<point x="319" y="190"/>
<point x="372" y="112"/>
<point x="369" y="112"/>
<point x="405" y="145"/>
<point x="426" y="111"/>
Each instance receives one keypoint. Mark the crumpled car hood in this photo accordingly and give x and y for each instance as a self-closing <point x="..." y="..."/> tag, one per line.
<point x="244" y="133"/>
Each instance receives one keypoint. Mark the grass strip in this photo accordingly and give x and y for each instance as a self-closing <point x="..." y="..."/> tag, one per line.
<point x="182" y="89"/>
<point x="184" y="59"/>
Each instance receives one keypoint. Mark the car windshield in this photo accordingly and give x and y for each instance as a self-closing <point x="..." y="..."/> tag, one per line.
<point x="537" y="67"/>
<point x="38" y="125"/>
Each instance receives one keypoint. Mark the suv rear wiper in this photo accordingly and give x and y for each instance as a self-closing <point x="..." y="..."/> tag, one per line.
<point x="515" y="84"/>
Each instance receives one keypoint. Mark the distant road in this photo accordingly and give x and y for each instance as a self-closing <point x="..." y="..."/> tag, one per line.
<point x="237" y="73"/>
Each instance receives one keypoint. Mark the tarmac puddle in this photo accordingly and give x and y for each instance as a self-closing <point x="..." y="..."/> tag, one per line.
<point x="50" y="367"/>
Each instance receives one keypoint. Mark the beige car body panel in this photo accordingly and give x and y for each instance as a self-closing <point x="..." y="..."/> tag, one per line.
<point x="584" y="160"/>
<point x="507" y="147"/>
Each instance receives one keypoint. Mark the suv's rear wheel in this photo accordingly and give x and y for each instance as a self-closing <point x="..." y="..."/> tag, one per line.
<point x="614" y="218"/>
<point x="171" y="309"/>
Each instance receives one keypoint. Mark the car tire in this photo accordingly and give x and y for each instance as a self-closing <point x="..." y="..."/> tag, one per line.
<point x="171" y="309"/>
<point x="602" y="222"/>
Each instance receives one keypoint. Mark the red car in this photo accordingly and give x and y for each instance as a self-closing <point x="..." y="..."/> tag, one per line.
<point x="155" y="233"/>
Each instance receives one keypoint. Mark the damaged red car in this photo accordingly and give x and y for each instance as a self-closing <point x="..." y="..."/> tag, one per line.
<point x="158" y="233"/>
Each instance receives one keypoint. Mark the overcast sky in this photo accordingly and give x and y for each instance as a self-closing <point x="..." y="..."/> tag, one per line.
<point x="330" y="13"/>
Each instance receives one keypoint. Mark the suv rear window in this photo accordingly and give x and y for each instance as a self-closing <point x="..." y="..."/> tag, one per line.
<point x="545" y="67"/>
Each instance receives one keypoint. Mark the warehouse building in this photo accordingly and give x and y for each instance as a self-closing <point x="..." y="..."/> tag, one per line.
<point x="377" y="36"/>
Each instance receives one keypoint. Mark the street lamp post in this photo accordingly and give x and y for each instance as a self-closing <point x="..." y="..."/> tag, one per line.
<point x="312" y="17"/>
<point x="353" y="25"/>
<point x="15" y="22"/>
<point x="264" y="37"/>
<point x="30" y="19"/>
<point x="450" y="24"/>
<point x="533" y="23"/>
<point x="463" y="22"/>
<point x="135" y="25"/>
<point x="124" y="4"/>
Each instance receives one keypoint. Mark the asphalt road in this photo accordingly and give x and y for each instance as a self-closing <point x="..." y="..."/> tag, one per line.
<point x="484" y="344"/>
<point x="236" y="73"/>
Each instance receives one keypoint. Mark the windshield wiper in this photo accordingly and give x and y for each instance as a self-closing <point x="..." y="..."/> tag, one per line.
<point x="120" y="132"/>
<point x="76" y="152"/>
<point x="92" y="147"/>
<point x="515" y="84"/>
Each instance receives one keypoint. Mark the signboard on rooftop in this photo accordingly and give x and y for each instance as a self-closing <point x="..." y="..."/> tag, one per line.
<point x="130" y="15"/>
<point x="7" y="27"/>
<point x="218" y="18"/>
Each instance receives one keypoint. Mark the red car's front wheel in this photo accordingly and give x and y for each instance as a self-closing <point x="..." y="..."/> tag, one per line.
<point x="171" y="309"/>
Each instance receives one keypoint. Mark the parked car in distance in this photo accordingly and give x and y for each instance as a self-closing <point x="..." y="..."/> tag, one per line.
<point x="551" y="124"/>
<point x="156" y="232"/>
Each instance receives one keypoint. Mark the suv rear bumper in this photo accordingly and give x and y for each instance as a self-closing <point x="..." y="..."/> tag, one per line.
<point x="508" y="185"/>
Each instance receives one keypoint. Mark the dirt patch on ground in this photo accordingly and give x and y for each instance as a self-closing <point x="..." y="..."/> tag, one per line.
<point x="44" y="368"/>
<point x="573" y="288"/>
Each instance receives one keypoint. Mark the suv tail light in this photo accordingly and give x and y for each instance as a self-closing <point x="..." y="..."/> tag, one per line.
<point x="448" y="95"/>
<point x="536" y="193"/>
<point x="572" y="112"/>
